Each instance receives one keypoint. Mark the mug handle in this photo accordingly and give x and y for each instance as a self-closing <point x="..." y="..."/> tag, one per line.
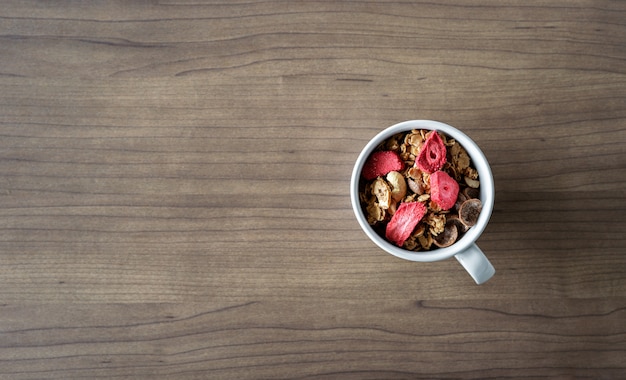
<point x="476" y="264"/>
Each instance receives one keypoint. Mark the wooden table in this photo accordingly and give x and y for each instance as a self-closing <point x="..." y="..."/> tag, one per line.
<point x="174" y="189"/>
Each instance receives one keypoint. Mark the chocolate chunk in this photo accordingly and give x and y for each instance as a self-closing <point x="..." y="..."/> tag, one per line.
<point x="448" y="237"/>
<point x="460" y="226"/>
<point x="470" y="210"/>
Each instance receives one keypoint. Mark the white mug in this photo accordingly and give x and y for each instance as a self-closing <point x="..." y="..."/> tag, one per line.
<point x="465" y="249"/>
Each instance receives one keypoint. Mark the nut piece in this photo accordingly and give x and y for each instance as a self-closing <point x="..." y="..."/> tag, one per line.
<point x="421" y="179"/>
<point x="414" y="186"/>
<point x="470" y="210"/>
<point x="474" y="183"/>
<point x="398" y="185"/>
<point x="382" y="192"/>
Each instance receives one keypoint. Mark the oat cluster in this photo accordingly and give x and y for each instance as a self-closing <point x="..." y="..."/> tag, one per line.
<point x="381" y="196"/>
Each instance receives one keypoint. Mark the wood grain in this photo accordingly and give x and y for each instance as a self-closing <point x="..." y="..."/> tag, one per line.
<point x="351" y="339"/>
<point x="174" y="189"/>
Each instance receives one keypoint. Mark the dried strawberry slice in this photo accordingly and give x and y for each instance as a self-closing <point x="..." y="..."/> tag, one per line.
<point x="380" y="163"/>
<point x="404" y="221"/>
<point x="432" y="154"/>
<point x="443" y="190"/>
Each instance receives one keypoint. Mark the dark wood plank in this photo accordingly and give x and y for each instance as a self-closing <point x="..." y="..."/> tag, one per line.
<point x="352" y="339"/>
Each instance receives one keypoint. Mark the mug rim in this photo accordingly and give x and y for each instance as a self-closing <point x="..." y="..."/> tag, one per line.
<point x="487" y="191"/>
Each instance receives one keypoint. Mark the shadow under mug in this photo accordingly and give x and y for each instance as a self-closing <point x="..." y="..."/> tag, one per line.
<point x="465" y="249"/>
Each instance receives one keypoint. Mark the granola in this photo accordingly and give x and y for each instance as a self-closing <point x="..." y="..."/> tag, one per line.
<point x="432" y="174"/>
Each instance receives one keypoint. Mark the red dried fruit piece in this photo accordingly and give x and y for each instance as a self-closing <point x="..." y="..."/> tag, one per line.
<point x="404" y="221"/>
<point x="432" y="154"/>
<point x="380" y="163"/>
<point x="443" y="190"/>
